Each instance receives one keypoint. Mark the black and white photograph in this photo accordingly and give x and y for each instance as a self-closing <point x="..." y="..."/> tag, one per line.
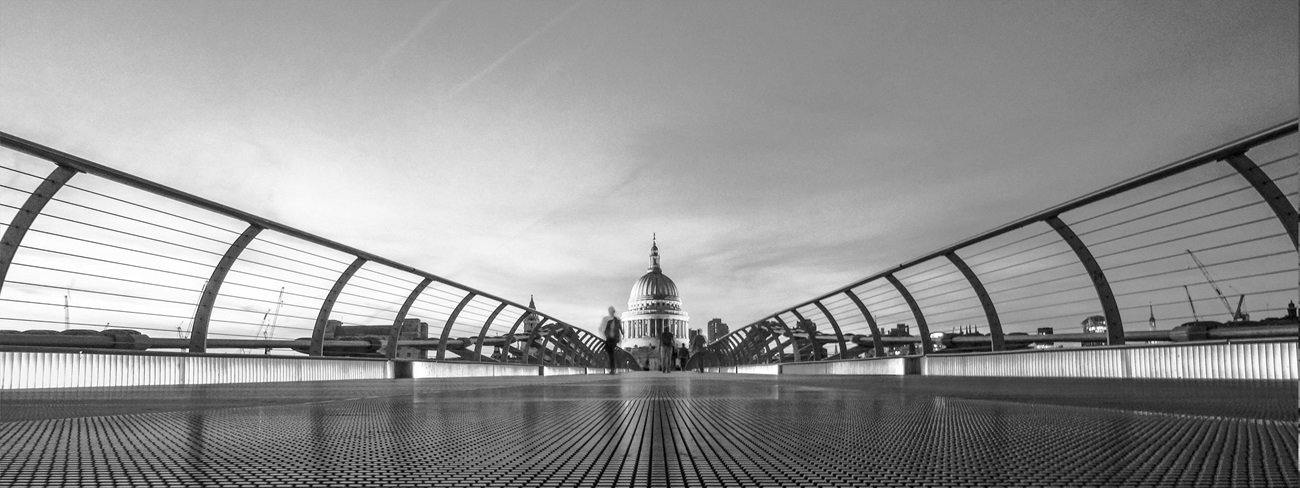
<point x="649" y="243"/>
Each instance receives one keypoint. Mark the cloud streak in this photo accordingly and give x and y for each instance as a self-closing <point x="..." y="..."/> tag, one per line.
<point x="428" y="18"/>
<point x="511" y="52"/>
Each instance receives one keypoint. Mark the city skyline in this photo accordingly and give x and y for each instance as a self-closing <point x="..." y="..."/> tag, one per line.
<point x="778" y="151"/>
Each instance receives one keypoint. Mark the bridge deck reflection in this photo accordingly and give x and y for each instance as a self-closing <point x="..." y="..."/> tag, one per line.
<point x="651" y="429"/>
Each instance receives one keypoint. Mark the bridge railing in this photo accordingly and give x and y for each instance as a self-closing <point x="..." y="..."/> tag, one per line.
<point x="93" y="257"/>
<point x="1169" y="255"/>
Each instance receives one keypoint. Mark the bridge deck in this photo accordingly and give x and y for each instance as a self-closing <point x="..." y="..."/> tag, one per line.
<point x="651" y="429"/>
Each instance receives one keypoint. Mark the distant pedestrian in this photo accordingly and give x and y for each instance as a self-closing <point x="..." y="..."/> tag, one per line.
<point x="612" y="328"/>
<point x="666" y="351"/>
<point x="697" y="349"/>
<point x="683" y="357"/>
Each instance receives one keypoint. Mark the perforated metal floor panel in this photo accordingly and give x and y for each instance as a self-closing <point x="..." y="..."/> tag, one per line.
<point x="651" y="429"/>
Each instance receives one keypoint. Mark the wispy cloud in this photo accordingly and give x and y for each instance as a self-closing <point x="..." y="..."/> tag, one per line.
<point x="410" y="36"/>
<point x="511" y="52"/>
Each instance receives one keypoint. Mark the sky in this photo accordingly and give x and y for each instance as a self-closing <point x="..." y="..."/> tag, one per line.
<point x="778" y="150"/>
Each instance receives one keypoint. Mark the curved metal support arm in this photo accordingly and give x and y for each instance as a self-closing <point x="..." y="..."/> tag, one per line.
<point x="1114" y="325"/>
<point x="317" y="347"/>
<point x="203" y="313"/>
<point x="871" y="322"/>
<point x="990" y="312"/>
<point x="23" y="219"/>
<point x="839" y="335"/>
<point x="505" y="357"/>
<point x="532" y="336"/>
<point x="482" y="333"/>
<point x="927" y="346"/>
<point x="451" y="319"/>
<point x="1269" y="191"/>
<point x="400" y="320"/>
<point x="780" y="356"/>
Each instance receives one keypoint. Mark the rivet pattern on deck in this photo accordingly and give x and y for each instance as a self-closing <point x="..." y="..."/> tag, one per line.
<point x="642" y="429"/>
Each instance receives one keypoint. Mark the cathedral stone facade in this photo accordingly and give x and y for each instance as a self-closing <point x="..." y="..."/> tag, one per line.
<point x="652" y="306"/>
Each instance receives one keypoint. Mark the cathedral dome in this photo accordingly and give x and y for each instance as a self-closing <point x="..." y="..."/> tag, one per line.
<point x="653" y="307"/>
<point x="653" y="286"/>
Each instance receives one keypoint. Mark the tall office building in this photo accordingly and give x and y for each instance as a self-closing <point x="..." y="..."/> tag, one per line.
<point x="717" y="329"/>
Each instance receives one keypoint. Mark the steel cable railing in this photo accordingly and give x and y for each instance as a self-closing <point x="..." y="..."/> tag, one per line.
<point x="1024" y="275"/>
<point x="122" y="252"/>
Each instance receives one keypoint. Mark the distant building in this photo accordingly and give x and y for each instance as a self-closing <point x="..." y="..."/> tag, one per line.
<point x="717" y="329"/>
<point x="1046" y="344"/>
<point x="1094" y="324"/>
<point x="900" y="330"/>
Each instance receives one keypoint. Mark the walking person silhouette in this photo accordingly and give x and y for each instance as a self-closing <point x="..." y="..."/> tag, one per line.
<point x="666" y="350"/>
<point x="612" y="328"/>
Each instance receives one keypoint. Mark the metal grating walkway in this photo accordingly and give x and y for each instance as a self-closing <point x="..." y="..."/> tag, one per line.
<point x="650" y="429"/>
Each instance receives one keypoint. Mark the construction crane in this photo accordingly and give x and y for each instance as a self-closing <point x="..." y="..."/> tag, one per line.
<point x="1191" y="303"/>
<point x="1235" y="315"/>
<point x="267" y="331"/>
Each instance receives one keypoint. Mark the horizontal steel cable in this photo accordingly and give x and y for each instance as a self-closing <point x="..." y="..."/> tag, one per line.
<point x="98" y="309"/>
<point x="259" y="325"/>
<point x="281" y="280"/>
<point x="358" y="276"/>
<point x="60" y="322"/>
<point x="935" y="277"/>
<point x="1221" y="280"/>
<point x="1189" y="236"/>
<point x="869" y="303"/>
<point x="1173" y="302"/>
<point x="971" y="258"/>
<point x="86" y="324"/>
<point x="133" y="219"/>
<point x="1088" y="219"/>
<point x="1211" y="248"/>
<point x="1122" y="223"/>
<point x="93" y="275"/>
<point x="1157" y="197"/>
<point x="1067" y="264"/>
<point x="1166" y="210"/>
<point x="1113" y="282"/>
<point x="136" y="266"/>
<point x="108" y="229"/>
<point x="151" y="299"/>
<point x="16" y="189"/>
<point x="1027" y="250"/>
<point x="1036" y="283"/>
<point x="1073" y="263"/>
<point x="21" y="172"/>
<point x="309" y="253"/>
<point x="1232" y="261"/>
<point x="127" y="249"/>
<point x="128" y="202"/>
<point x="97" y="292"/>
<point x="405" y="286"/>
<point x="346" y="292"/>
<point x="1180" y="222"/>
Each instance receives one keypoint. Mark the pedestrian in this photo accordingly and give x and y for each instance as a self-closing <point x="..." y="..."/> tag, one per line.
<point x="666" y="351"/>
<point x="697" y="348"/>
<point x="612" y="328"/>
<point x="683" y="357"/>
